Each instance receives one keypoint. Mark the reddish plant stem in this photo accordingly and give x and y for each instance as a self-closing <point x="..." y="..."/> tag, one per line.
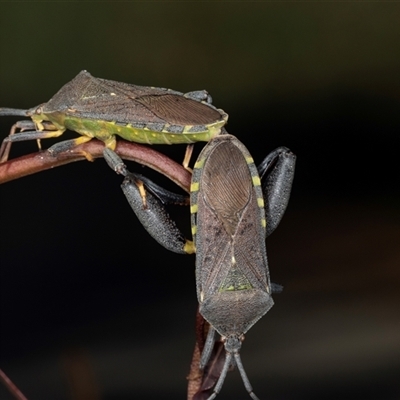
<point x="41" y="161"/>
<point x="11" y="386"/>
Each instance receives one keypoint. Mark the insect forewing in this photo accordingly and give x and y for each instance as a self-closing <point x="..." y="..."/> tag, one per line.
<point x="88" y="97"/>
<point x="230" y="239"/>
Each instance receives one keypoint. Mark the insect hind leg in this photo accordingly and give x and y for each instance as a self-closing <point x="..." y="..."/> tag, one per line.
<point x="150" y="210"/>
<point x="277" y="173"/>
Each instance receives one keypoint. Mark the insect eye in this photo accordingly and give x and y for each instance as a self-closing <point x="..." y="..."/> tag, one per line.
<point x="39" y="110"/>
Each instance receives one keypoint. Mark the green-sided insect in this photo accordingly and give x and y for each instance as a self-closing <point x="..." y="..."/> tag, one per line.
<point x="232" y="214"/>
<point x="103" y="109"/>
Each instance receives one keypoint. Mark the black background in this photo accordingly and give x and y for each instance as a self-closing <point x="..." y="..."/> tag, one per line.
<point x="85" y="290"/>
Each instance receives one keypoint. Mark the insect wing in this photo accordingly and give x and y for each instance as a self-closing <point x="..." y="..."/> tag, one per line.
<point x="88" y="97"/>
<point x="229" y="222"/>
<point x="93" y="98"/>
<point x="168" y="105"/>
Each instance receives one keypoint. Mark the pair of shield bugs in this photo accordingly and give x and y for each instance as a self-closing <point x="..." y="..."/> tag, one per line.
<point x="233" y="210"/>
<point x="103" y="109"/>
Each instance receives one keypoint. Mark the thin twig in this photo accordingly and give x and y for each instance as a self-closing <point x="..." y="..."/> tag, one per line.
<point x="41" y="161"/>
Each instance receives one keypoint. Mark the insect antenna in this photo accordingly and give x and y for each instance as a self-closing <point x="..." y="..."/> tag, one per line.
<point x="243" y="374"/>
<point x="13" y="111"/>
<point x="218" y="386"/>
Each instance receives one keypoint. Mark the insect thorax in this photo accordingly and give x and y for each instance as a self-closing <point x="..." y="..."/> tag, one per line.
<point x="235" y="312"/>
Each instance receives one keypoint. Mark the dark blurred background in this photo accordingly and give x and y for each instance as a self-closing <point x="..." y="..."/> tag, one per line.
<point x="91" y="304"/>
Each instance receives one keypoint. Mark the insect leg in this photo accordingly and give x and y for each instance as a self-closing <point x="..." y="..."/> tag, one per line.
<point x="152" y="215"/>
<point x="32" y="135"/>
<point x="276" y="288"/>
<point x="165" y="196"/>
<point x="66" y="145"/>
<point x="208" y="347"/>
<point x="115" y="162"/>
<point x="50" y="131"/>
<point x="276" y="172"/>
<point x="188" y="155"/>
<point x="200" y="95"/>
<point x="6" y="145"/>
<point x="23" y="125"/>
